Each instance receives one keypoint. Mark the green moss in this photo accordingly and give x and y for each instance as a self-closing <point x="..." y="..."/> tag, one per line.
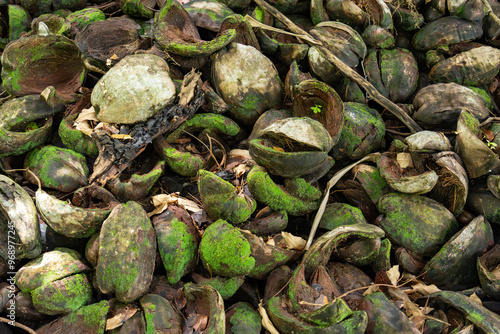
<point x="93" y="316"/>
<point x="149" y="315"/>
<point x="226" y="287"/>
<point x="136" y="8"/>
<point x="127" y="232"/>
<point x="58" y="168"/>
<point x="274" y="259"/>
<point x="56" y="298"/>
<point x="177" y="249"/>
<point x="200" y="49"/>
<point x="373" y="183"/>
<point x="11" y="81"/>
<point x="225" y="251"/>
<point x="340" y="214"/>
<point x="75" y="139"/>
<point x="245" y="319"/>
<point x="213" y="122"/>
<point x="183" y="163"/>
<point x="418" y="223"/>
<point x="487" y="99"/>
<point x="266" y="191"/>
<point x="19" y="21"/>
<point x="470" y="121"/>
<point x="222" y="200"/>
<point x="302" y="189"/>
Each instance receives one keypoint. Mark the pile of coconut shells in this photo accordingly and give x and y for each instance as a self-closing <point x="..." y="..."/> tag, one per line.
<point x="241" y="166"/>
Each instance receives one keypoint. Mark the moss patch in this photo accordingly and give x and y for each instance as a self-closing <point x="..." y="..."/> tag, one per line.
<point x="177" y="249"/>
<point x="63" y="296"/>
<point x="266" y="191"/>
<point x="224" y="250"/>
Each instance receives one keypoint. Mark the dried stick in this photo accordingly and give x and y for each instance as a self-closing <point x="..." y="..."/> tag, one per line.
<point x="344" y="69"/>
<point x="16" y="324"/>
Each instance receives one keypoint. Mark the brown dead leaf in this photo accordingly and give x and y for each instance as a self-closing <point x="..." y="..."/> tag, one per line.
<point x="239" y="153"/>
<point x="394" y="275"/>
<point x="404" y="160"/>
<point x="496" y="272"/>
<point x="188" y="87"/>
<point x="279" y="149"/>
<point x="266" y="322"/>
<point x="415" y="313"/>
<point x="162" y="201"/>
<point x="293" y="242"/>
<point x="201" y="323"/>
<point x="239" y="170"/>
<point x="488" y="135"/>
<point x="82" y="122"/>
<point x="321" y="300"/>
<point x="475" y="298"/>
<point x="423" y="289"/>
<point x="120" y="318"/>
<point x="121" y="136"/>
<point x="372" y="289"/>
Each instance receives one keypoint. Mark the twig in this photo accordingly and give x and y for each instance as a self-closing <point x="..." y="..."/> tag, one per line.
<point x="344" y="69"/>
<point x="489" y="120"/>
<point x="26" y="170"/>
<point x="16" y="324"/>
<point x="329" y="185"/>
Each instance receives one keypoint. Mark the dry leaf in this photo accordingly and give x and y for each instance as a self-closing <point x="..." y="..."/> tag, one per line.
<point x="423" y="289"/>
<point x="113" y="57"/>
<point x="475" y="298"/>
<point x="162" y="201"/>
<point x="394" y="275"/>
<point x="271" y="242"/>
<point x="414" y="313"/>
<point x="239" y="153"/>
<point x="188" y="87"/>
<point x="321" y="301"/>
<point x="279" y="149"/>
<point x="121" y="136"/>
<point x="496" y="272"/>
<point x="120" y="318"/>
<point x="189" y="205"/>
<point x="239" y="170"/>
<point x="82" y="122"/>
<point x="293" y="242"/>
<point x="266" y="322"/>
<point x="371" y="289"/>
<point x="404" y="160"/>
<point x="488" y="135"/>
<point x="201" y="323"/>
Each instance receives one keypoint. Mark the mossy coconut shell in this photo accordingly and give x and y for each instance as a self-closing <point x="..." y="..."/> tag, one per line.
<point x="416" y="222"/>
<point x="63" y="296"/>
<point x="57" y="168"/>
<point x="224" y="250"/>
<point x="222" y="200"/>
<point x="31" y="64"/>
<point x="127" y="251"/>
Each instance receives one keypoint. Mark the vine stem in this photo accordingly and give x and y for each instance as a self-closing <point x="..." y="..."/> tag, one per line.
<point x="343" y="68"/>
<point x="16" y="324"/>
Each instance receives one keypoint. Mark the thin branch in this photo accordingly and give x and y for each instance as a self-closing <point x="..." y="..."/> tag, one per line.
<point x="16" y="324"/>
<point x="344" y="69"/>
